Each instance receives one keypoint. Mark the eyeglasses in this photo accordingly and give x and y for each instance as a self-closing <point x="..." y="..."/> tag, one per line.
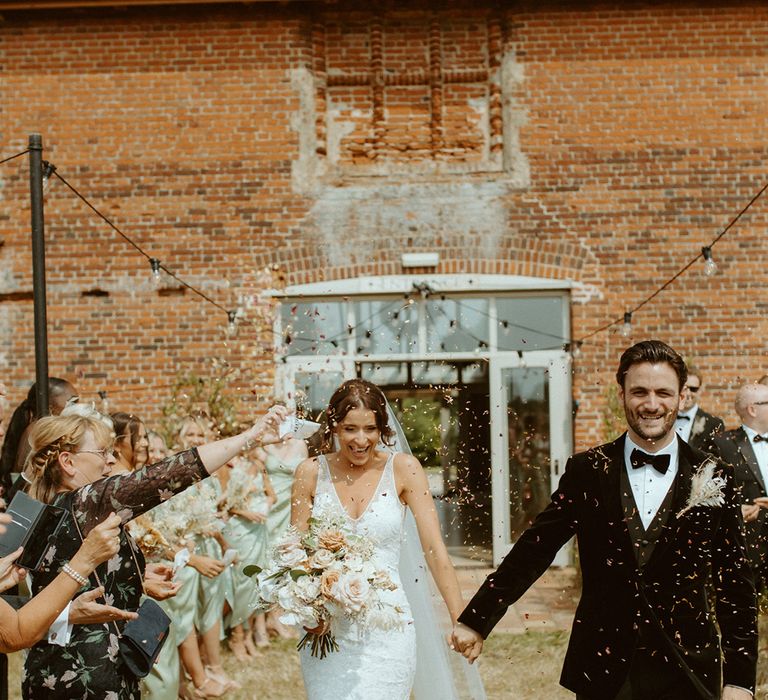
<point x="105" y="454"/>
<point x="693" y="389"/>
<point x="760" y="403"/>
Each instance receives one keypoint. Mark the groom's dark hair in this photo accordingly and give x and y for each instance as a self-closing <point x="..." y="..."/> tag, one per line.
<point x="655" y="352"/>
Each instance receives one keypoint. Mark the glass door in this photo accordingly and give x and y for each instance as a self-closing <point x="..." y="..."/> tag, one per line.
<point x="530" y="440"/>
<point x="308" y="384"/>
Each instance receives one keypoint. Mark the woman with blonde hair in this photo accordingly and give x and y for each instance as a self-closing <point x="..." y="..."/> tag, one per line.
<point x="70" y="460"/>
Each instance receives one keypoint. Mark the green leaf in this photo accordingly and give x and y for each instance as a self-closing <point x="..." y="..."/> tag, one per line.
<point x="296" y="574"/>
<point x="252" y="570"/>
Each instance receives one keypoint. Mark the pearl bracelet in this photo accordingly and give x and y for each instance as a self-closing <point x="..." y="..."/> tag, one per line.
<point x="69" y="571"/>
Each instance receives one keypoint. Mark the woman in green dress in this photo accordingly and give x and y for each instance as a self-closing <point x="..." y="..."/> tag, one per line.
<point x="280" y="461"/>
<point x="249" y="498"/>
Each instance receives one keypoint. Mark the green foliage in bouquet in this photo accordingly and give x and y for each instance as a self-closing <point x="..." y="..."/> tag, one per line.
<point x="193" y="394"/>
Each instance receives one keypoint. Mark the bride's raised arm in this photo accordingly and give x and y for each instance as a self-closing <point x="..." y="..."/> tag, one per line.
<point x="414" y="491"/>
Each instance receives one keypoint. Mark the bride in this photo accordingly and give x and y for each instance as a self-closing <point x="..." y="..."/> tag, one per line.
<point x="372" y="488"/>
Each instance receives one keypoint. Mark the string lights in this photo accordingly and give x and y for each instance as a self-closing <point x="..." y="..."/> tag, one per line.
<point x="570" y="345"/>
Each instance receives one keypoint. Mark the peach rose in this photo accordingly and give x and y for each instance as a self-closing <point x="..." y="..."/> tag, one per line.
<point x="327" y="581"/>
<point x="333" y="540"/>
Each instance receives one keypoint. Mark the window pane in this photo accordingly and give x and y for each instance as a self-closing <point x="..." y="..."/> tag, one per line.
<point x="314" y="328"/>
<point x="456" y="325"/>
<point x="314" y="390"/>
<point x="385" y="373"/>
<point x="531" y="323"/>
<point x="386" y="327"/>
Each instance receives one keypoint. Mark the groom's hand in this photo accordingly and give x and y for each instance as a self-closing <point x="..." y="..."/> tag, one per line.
<point x="466" y="641"/>
<point x="731" y="692"/>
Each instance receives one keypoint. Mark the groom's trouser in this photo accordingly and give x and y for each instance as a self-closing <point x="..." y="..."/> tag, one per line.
<point x="651" y="677"/>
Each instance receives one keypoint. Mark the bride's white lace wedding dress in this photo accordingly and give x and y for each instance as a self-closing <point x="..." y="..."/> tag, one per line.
<point x="371" y="664"/>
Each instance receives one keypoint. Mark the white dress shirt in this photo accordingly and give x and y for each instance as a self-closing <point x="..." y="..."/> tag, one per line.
<point x="649" y="487"/>
<point x="683" y="426"/>
<point x="761" y="452"/>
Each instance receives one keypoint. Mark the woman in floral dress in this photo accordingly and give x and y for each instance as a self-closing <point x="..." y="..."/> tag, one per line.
<point x="70" y="462"/>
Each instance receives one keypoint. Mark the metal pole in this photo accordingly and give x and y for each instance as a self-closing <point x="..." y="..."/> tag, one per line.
<point x="38" y="272"/>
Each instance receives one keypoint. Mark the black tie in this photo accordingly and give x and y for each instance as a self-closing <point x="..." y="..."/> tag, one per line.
<point x="638" y="459"/>
<point x="679" y="417"/>
<point x="760" y="438"/>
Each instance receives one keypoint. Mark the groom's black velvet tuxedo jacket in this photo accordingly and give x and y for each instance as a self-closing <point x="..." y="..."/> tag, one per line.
<point x="664" y="604"/>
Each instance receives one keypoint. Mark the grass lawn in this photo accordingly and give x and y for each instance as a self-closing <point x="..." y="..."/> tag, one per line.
<point x="513" y="667"/>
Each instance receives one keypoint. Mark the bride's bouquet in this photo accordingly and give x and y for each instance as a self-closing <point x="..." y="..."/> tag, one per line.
<point x="323" y="574"/>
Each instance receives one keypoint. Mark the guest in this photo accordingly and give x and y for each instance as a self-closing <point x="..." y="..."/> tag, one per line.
<point x="130" y="444"/>
<point x="16" y="445"/>
<point x="280" y="461"/>
<point x="156" y="447"/>
<point x="693" y="424"/>
<point x="204" y="589"/>
<point x="249" y="497"/>
<point x="71" y="457"/>
<point x="746" y="450"/>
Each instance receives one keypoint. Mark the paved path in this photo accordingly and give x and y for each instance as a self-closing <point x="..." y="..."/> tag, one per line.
<point x="548" y="605"/>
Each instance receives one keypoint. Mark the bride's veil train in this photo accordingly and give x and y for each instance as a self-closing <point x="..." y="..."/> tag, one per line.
<point x="441" y="674"/>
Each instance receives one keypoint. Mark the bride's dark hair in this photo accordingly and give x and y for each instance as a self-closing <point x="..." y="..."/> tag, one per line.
<point x="356" y="393"/>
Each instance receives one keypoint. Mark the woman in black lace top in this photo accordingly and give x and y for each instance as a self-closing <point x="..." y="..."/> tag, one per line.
<point x="71" y="459"/>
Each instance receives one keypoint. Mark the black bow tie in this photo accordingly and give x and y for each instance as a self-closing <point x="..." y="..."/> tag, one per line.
<point x="760" y="438"/>
<point x="638" y="459"/>
<point x="682" y="417"/>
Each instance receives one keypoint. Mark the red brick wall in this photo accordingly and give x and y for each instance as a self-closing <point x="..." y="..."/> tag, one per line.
<point x="590" y="141"/>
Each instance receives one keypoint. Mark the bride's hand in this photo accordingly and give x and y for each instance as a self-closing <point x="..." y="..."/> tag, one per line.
<point x="466" y="641"/>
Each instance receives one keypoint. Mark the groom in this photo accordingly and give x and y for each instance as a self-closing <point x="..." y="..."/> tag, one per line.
<point x="657" y="582"/>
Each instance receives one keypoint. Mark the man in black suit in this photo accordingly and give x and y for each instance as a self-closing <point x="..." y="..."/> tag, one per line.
<point x="693" y="424"/>
<point x="653" y="556"/>
<point x="746" y="451"/>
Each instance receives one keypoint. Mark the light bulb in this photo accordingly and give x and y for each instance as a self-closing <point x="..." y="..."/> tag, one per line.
<point x="576" y="349"/>
<point x="48" y="170"/>
<point x="231" y="323"/>
<point x="156" y="272"/>
<point x="710" y="266"/>
<point x="626" y="328"/>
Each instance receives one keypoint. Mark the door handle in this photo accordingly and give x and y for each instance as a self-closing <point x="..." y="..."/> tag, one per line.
<point x="557" y="467"/>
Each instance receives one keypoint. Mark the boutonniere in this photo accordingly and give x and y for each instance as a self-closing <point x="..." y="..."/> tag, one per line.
<point x="706" y="488"/>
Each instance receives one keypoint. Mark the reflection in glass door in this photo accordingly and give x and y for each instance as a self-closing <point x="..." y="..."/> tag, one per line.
<point x="528" y="444"/>
<point x="530" y="441"/>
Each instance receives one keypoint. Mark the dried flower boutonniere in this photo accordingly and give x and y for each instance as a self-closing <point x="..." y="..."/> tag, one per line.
<point x="706" y="488"/>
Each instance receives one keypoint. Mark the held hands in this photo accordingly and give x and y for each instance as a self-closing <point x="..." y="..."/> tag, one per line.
<point x="466" y="641"/>
<point x="84" y="610"/>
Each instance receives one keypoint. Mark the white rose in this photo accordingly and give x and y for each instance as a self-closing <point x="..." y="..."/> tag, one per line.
<point x="307" y="588"/>
<point x="322" y="559"/>
<point x="268" y="587"/>
<point x="290" y="554"/>
<point x="354" y="562"/>
<point x="351" y="592"/>
<point x="305" y="616"/>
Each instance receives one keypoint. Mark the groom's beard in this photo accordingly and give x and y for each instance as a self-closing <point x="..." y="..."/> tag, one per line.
<point x="655" y="430"/>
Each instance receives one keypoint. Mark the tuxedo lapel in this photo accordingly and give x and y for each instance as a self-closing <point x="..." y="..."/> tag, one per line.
<point x="611" y="464"/>
<point x="745" y="448"/>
